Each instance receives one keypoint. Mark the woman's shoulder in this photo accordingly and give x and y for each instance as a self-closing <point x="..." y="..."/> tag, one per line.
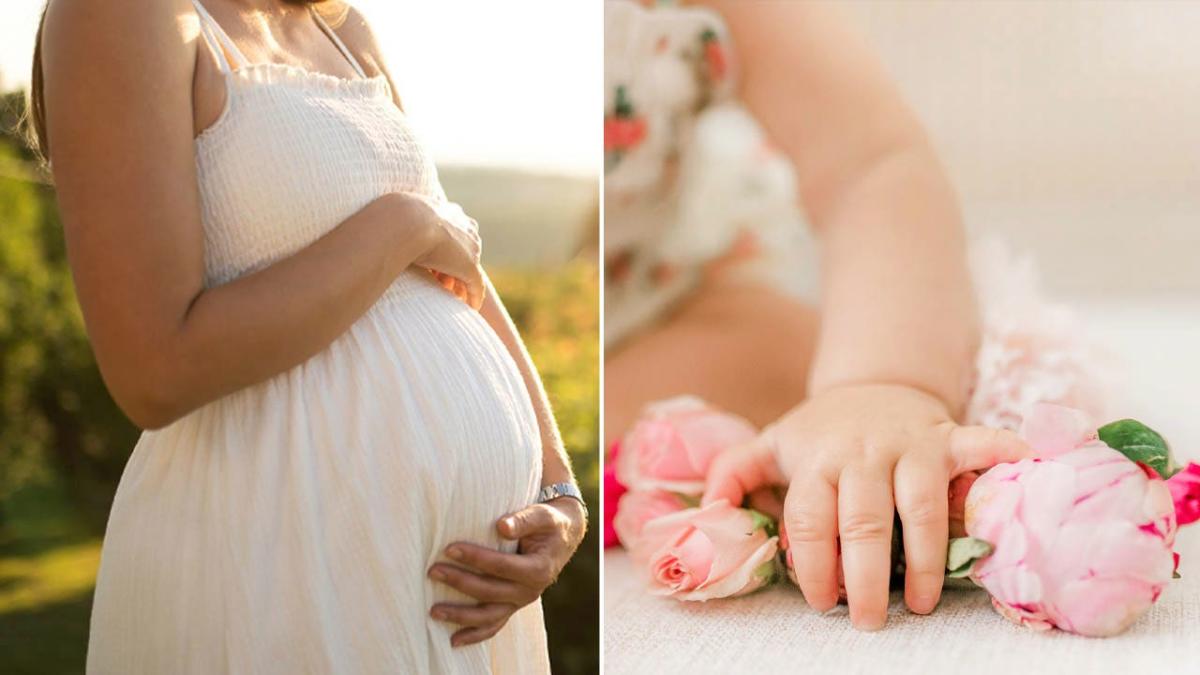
<point x="353" y="27"/>
<point x="116" y="37"/>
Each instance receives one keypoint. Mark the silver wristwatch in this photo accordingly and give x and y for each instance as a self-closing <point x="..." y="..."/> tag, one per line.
<point x="561" y="490"/>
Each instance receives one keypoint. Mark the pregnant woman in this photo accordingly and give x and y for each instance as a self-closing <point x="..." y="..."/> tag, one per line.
<point x="349" y="464"/>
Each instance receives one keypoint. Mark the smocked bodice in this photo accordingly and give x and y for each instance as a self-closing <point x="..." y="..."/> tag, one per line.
<point x="295" y="153"/>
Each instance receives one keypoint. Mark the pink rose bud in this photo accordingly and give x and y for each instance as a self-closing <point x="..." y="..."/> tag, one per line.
<point x="675" y="441"/>
<point x="960" y="487"/>
<point x="612" y="496"/>
<point x="1080" y="537"/>
<point x="717" y="551"/>
<point x="1185" y="492"/>
<point x="640" y="507"/>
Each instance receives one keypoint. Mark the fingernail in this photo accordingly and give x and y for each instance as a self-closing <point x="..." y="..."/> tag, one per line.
<point x="510" y="523"/>
<point x="439" y="614"/>
<point x="869" y="624"/>
<point x="923" y="604"/>
<point x="437" y="574"/>
<point x="454" y="552"/>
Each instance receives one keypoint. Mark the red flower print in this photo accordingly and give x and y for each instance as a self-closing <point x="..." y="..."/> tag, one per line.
<point x="622" y="130"/>
<point x="714" y="55"/>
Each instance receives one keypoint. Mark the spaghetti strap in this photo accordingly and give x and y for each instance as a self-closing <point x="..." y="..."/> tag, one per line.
<point x="337" y="41"/>
<point x="215" y="36"/>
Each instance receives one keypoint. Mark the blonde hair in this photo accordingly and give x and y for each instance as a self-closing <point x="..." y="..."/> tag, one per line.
<point x="34" y="122"/>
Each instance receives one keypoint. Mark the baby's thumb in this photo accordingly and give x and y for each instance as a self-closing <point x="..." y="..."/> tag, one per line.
<point x="740" y="470"/>
<point x="978" y="448"/>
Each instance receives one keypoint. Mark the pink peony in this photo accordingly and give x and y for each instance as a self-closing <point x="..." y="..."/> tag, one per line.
<point x="960" y="487"/>
<point x="1185" y="492"/>
<point x="1081" y="536"/>
<point x="672" y="445"/>
<point x="638" y="508"/>
<point x="612" y="495"/>
<point x="717" y="551"/>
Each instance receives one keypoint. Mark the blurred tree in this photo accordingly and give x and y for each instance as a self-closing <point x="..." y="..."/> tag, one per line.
<point x="55" y="413"/>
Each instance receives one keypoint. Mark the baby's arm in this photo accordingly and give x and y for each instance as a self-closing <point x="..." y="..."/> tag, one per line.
<point x="898" y="329"/>
<point x="897" y="303"/>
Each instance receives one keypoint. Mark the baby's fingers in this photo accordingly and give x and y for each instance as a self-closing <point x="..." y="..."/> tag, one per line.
<point x="923" y="503"/>
<point x="810" y="513"/>
<point x="865" y="511"/>
<point x="981" y="448"/>
<point x="740" y="470"/>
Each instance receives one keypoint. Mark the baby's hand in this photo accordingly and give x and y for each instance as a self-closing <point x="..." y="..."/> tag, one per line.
<point x="851" y="457"/>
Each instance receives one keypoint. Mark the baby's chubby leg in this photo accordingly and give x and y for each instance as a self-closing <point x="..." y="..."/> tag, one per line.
<point x="745" y="348"/>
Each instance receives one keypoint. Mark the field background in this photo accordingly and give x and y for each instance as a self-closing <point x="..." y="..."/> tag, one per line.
<point x="63" y="442"/>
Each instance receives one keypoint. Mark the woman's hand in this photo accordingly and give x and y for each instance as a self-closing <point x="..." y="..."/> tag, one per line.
<point x="453" y="255"/>
<point x="851" y="457"/>
<point x="548" y="535"/>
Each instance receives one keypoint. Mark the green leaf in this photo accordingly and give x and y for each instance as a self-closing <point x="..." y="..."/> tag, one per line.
<point x="768" y="571"/>
<point x="962" y="555"/>
<point x="764" y="522"/>
<point x="1139" y="443"/>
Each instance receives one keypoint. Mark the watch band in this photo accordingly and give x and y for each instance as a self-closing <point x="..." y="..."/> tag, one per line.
<point x="561" y="490"/>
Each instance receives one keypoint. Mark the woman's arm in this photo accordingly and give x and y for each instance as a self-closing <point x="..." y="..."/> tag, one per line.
<point x="897" y="304"/>
<point x="119" y="103"/>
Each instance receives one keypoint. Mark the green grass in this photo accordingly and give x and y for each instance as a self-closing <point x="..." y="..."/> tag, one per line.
<point x="48" y="562"/>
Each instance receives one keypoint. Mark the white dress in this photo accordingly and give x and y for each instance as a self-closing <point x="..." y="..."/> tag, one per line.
<point x="288" y="527"/>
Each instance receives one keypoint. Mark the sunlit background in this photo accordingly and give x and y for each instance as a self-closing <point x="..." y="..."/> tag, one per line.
<point x="491" y="83"/>
<point x="505" y="96"/>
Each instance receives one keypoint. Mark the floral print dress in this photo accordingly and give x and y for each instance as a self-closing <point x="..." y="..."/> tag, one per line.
<point x="690" y="179"/>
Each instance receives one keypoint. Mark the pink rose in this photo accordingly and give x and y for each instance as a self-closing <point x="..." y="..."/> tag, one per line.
<point x="717" y="551"/>
<point x="672" y="445"/>
<point x="612" y="495"/>
<point x="1185" y="492"/>
<point x="1081" y="536"/>
<point x="639" y="507"/>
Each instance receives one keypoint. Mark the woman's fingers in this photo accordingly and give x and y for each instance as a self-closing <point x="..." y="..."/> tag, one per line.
<point x="865" y="513"/>
<point x="483" y="615"/>
<point x="481" y="587"/>
<point x="923" y="503"/>
<point x="980" y="448"/>
<point x="470" y="636"/>
<point x="523" y="569"/>
<point x="741" y="470"/>
<point x="528" y="521"/>
<point x="475" y="287"/>
<point x="810" y="516"/>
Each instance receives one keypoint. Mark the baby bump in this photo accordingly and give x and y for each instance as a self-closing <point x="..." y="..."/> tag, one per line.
<point x="412" y="428"/>
<point x="437" y="383"/>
